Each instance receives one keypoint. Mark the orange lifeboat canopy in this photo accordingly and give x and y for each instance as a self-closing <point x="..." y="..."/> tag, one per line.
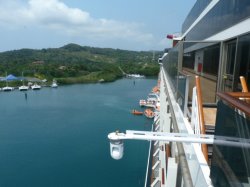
<point x="149" y="113"/>
<point x="155" y="89"/>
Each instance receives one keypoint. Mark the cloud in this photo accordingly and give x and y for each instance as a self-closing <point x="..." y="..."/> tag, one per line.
<point x="57" y="16"/>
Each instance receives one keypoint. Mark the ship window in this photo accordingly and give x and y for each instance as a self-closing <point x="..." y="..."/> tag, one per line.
<point x="188" y="60"/>
<point x="194" y="13"/>
<point x="202" y="58"/>
<point x="231" y="48"/>
<point x="211" y="60"/>
<point x="229" y="75"/>
<point x="225" y="14"/>
<point x="243" y="58"/>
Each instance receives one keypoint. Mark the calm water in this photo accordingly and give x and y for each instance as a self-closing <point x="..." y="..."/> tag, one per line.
<point x="58" y="137"/>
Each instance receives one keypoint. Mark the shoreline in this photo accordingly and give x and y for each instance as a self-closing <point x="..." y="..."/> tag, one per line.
<point x="75" y="83"/>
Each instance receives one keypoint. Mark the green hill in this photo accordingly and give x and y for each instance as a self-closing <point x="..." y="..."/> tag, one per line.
<point x="73" y="63"/>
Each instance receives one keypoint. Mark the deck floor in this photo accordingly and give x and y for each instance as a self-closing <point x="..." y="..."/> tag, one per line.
<point x="208" y="87"/>
<point x="210" y="116"/>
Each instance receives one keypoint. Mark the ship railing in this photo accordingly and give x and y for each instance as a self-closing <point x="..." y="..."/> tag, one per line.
<point x="156" y="124"/>
<point x="157" y="128"/>
<point x="194" y="169"/>
<point x="230" y="165"/>
<point x="181" y="88"/>
<point x="156" y="153"/>
<point x="156" y="183"/>
<point x="237" y="100"/>
<point x="195" y="122"/>
<point x="178" y="80"/>
<point x="156" y="144"/>
<point x="197" y="117"/>
<point x="158" y="159"/>
<point x="151" y="160"/>
<point x="149" y="165"/>
<point x="155" y="149"/>
<point x="182" y="92"/>
<point x="160" y="166"/>
<point x="155" y="169"/>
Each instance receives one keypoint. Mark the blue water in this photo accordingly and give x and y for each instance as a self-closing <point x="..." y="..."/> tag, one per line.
<point x="58" y="137"/>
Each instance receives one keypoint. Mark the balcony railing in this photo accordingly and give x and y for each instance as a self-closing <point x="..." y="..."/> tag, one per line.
<point x="231" y="165"/>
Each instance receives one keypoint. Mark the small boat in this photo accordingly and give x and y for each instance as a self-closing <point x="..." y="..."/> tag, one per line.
<point x="156" y="89"/>
<point x="7" y="89"/>
<point x="142" y="102"/>
<point x="54" y="84"/>
<point x="23" y="88"/>
<point x="135" y="76"/>
<point x="35" y="87"/>
<point x="136" y="112"/>
<point x="149" y="113"/>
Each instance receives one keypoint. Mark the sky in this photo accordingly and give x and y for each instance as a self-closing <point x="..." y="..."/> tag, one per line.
<point x="124" y="24"/>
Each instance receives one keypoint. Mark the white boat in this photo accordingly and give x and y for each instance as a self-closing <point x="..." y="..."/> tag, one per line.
<point x="7" y="89"/>
<point x="35" y="87"/>
<point x="23" y="88"/>
<point x="137" y="76"/>
<point x="152" y="101"/>
<point x="54" y="84"/>
<point x="142" y="102"/>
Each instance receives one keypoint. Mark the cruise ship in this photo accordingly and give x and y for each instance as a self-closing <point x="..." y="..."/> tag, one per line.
<point x="201" y="135"/>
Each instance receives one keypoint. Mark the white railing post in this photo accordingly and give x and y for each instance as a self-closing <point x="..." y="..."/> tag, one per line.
<point x="195" y="122"/>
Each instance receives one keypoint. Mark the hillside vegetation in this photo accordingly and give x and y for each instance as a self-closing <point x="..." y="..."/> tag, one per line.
<point x="77" y="64"/>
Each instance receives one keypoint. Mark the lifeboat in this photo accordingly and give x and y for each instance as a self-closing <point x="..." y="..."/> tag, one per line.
<point x="155" y="89"/>
<point x="136" y="112"/>
<point x="149" y="113"/>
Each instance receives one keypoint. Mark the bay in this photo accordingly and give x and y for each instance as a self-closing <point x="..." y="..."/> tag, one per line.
<point x="58" y="137"/>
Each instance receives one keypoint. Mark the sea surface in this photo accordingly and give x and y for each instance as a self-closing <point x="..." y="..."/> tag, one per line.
<point x="58" y="137"/>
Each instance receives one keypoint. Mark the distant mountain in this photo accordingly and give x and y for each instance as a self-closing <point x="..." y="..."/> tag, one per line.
<point x="74" y="61"/>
